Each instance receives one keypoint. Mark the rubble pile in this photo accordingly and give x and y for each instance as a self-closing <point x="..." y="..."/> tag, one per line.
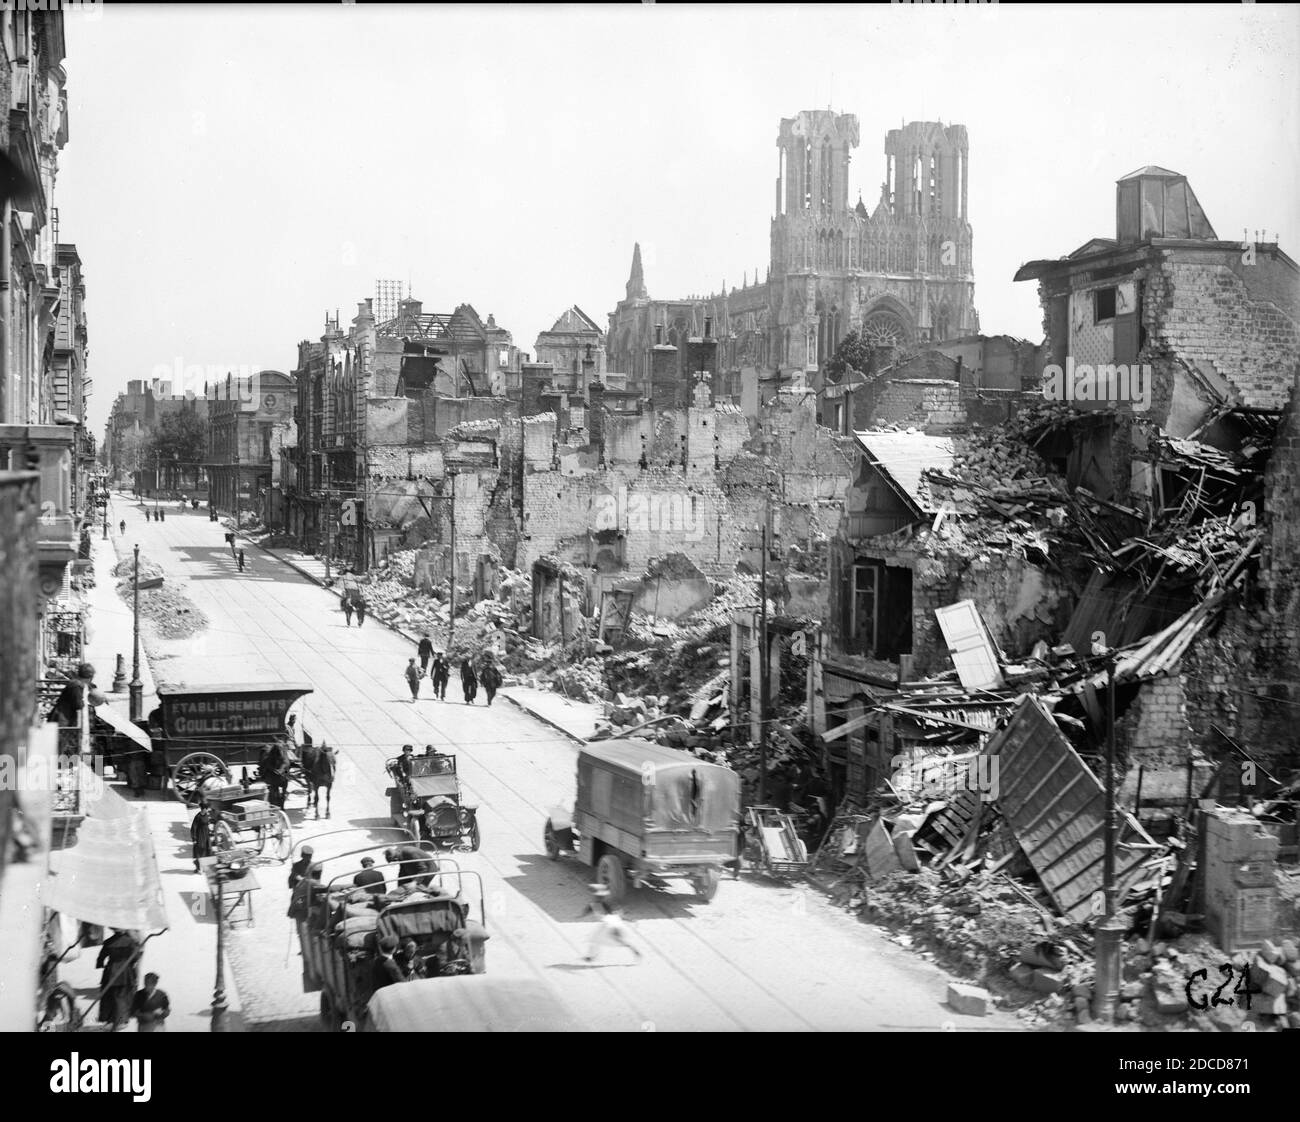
<point x="173" y="614"/>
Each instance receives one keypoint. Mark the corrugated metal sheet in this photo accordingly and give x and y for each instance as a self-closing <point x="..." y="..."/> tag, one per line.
<point x="903" y="456"/>
<point x="1055" y="806"/>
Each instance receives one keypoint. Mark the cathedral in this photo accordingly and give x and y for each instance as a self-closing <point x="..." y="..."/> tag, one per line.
<point x="901" y="273"/>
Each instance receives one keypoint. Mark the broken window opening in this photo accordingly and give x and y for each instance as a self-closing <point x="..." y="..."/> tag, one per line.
<point x="880" y="620"/>
<point x="1103" y="304"/>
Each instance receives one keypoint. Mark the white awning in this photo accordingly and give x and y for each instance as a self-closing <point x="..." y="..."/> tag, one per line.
<point x="110" y="876"/>
<point x="120" y="724"/>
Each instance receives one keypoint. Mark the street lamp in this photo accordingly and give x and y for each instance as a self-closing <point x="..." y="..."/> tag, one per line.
<point x="219" y="988"/>
<point x="136" y="688"/>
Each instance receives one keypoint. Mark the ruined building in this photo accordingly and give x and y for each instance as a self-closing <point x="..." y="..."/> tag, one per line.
<point x="900" y="272"/>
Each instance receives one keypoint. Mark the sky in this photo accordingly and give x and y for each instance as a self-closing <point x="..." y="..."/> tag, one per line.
<point x="234" y="172"/>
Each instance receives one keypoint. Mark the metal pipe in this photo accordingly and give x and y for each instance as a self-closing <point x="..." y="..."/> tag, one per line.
<point x="136" y="688"/>
<point x="6" y="268"/>
<point x="451" y="615"/>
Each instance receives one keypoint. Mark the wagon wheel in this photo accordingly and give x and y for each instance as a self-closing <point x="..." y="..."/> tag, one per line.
<point x="278" y="834"/>
<point x="223" y="837"/>
<point x="189" y="774"/>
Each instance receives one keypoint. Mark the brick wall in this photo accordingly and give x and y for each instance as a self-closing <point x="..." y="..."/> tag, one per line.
<point x="1203" y="311"/>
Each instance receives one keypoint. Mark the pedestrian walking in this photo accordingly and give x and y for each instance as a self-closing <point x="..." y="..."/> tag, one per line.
<point x="359" y="603"/>
<point x="439" y="676"/>
<point x="612" y="929"/>
<point x="201" y="834"/>
<point x="151" y="1006"/>
<point x="412" y="673"/>
<point x="241" y="560"/>
<point x="119" y="958"/>
<point x="425" y="651"/>
<point x="468" y="681"/>
<point x="347" y="607"/>
<point x="161" y="514"/>
<point x="146" y="514"/>
<point x="121" y="526"/>
<point x="490" y="676"/>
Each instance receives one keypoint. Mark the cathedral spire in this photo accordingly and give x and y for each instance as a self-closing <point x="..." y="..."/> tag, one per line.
<point x="636" y="289"/>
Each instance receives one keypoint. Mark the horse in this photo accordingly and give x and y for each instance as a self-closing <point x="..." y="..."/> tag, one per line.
<point x="273" y="770"/>
<point x="319" y="765"/>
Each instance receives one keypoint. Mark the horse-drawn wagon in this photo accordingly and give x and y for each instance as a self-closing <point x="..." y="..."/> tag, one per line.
<point x="205" y="731"/>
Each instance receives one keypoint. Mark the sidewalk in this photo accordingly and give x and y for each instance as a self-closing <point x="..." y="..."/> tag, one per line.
<point x="184" y="956"/>
<point x="575" y="719"/>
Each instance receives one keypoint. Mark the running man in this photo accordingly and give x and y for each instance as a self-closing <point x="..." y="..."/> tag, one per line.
<point x="612" y="927"/>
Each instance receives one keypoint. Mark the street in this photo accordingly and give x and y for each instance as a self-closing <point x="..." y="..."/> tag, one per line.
<point x="760" y="957"/>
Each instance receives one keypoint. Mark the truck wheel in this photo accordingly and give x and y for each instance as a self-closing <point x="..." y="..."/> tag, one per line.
<point x="609" y="872"/>
<point x="706" y="884"/>
<point x="552" y="842"/>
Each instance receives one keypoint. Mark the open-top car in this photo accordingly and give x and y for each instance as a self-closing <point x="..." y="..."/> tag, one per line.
<point x="426" y="799"/>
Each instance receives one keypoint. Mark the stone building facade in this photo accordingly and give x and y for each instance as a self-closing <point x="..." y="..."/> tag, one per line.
<point x="901" y="272"/>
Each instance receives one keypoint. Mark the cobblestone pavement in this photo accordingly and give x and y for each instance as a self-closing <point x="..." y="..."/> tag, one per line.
<point x="759" y="957"/>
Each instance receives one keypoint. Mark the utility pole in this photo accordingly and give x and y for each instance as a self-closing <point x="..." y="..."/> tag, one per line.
<point x="1110" y="931"/>
<point x="157" y="480"/>
<point x="329" y="544"/>
<point x="237" y="487"/>
<point x="763" y="653"/>
<point x="451" y="586"/>
<point x="136" y="688"/>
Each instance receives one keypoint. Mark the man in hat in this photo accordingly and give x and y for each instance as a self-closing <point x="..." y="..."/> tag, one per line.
<point x="425" y="651"/>
<point x="67" y="709"/>
<point x="201" y="833"/>
<point x="439" y="675"/>
<point x="307" y="892"/>
<point x="299" y="868"/>
<point x="412" y="675"/>
<point x="403" y="763"/>
<point x="490" y="677"/>
<point x="413" y="863"/>
<point x="612" y="928"/>
<point x="408" y="958"/>
<point x="387" y="969"/>
<point x="370" y="878"/>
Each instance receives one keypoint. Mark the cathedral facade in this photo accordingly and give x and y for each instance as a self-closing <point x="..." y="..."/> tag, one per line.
<point x="901" y="273"/>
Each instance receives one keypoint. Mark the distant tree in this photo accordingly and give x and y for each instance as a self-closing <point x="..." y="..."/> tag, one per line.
<point x="179" y="439"/>
<point x="853" y="352"/>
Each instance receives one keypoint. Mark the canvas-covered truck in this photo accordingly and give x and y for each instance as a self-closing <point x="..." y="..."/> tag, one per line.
<point x="645" y="812"/>
<point x="342" y="932"/>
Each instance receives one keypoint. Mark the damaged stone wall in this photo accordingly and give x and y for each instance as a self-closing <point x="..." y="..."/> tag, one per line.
<point x="1244" y="676"/>
<point x="1020" y="602"/>
<point x="927" y="404"/>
